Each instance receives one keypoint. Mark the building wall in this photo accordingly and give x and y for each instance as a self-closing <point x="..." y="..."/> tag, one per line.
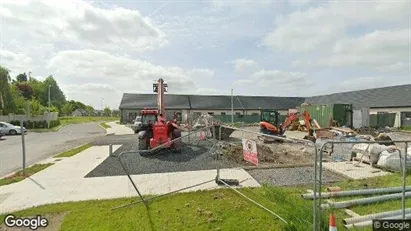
<point x="390" y="110"/>
<point x="398" y="111"/>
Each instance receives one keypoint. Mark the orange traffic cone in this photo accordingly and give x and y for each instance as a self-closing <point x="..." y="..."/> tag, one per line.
<point x="333" y="226"/>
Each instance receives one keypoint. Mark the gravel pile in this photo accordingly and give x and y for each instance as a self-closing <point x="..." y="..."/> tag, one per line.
<point x="291" y="176"/>
<point x="192" y="158"/>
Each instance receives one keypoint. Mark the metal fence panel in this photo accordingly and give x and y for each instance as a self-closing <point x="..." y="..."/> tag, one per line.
<point x="360" y="161"/>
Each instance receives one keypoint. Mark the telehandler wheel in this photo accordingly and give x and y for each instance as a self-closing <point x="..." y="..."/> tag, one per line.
<point x="142" y="144"/>
<point x="177" y="145"/>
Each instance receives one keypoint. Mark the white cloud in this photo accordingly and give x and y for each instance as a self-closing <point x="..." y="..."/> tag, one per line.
<point x="80" y="23"/>
<point x="201" y="73"/>
<point x="16" y="62"/>
<point x="120" y="74"/>
<point x="378" y="51"/>
<point x="368" y="82"/>
<point x="244" y="64"/>
<point x="93" y="93"/>
<point x="278" y="79"/>
<point x="317" y="28"/>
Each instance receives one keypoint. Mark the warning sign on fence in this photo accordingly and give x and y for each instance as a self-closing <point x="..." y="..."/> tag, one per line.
<point x="250" y="151"/>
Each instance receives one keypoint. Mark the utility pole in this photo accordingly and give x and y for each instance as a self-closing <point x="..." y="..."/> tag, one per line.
<point x="49" y="99"/>
<point x="232" y="107"/>
<point x="49" y="109"/>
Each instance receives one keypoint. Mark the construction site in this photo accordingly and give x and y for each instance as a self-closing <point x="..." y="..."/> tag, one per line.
<point x="297" y="152"/>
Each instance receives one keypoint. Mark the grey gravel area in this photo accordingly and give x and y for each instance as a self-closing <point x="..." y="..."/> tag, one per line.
<point x="291" y="176"/>
<point x="192" y="158"/>
<point x="115" y="139"/>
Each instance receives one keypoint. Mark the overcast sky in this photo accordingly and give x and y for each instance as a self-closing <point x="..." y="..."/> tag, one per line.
<point x="101" y="49"/>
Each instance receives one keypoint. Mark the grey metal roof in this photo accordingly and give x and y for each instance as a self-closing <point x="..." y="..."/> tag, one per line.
<point x="138" y="101"/>
<point x="210" y="102"/>
<point x="218" y="102"/>
<point x="394" y="96"/>
<point x="268" y="102"/>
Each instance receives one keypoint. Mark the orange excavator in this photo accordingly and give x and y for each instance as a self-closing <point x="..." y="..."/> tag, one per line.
<point x="271" y="125"/>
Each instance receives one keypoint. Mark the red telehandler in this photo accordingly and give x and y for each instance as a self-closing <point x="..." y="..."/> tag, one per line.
<point x="156" y="130"/>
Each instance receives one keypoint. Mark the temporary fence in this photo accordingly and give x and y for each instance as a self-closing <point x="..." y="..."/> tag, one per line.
<point x="360" y="159"/>
<point x="210" y="138"/>
<point x="279" y="164"/>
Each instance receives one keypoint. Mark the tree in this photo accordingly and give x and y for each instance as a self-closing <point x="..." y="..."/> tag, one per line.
<point x="25" y="89"/>
<point x="67" y="109"/>
<point x="36" y="108"/>
<point x="57" y="96"/>
<point x="20" y="103"/>
<point x="89" y="110"/>
<point x="6" y="100"/>
<point x="107" y="112"/>
<point x="22" y="77"/>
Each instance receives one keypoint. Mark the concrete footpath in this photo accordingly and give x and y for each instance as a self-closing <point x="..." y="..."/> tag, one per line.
<point x="64" y="181"/>
<point x="118" y="129"/>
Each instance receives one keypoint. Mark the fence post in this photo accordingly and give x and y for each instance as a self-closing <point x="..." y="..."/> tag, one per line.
<point x="23" y="144"/>
<point x="110" y="150"/>
<point x="404" y="178"/>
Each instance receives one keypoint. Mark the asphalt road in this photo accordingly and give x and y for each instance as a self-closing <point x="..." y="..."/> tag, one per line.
<point x="40" y="146"/>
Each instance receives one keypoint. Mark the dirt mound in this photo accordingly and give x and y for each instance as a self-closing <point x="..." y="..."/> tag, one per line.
<point x="206" y="121"/>
<point x="277" y="153"/>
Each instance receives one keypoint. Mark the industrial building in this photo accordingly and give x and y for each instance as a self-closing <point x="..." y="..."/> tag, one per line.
<point x="394" y="100"/>
<point x="132" y="104"/>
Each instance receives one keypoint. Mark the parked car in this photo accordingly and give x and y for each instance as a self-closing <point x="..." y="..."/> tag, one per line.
<point x="137" y="124"/>
<point x="11" y="129"/>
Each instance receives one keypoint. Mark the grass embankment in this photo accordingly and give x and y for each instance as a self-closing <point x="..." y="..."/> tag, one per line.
<point x="394" y="180"/>
<point x="19" y="176"/>
<point x="104" y="125"/>
<point x="205" y="210"/>
<point x="75" y="120"/>
<point x="221" y="209"/>
<point x="73" y="151"/>
<point x="407" y="128"/>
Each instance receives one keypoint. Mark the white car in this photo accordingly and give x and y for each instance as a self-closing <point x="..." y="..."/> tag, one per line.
<point x="137" y="125"/>
<point x="11" y="129"/>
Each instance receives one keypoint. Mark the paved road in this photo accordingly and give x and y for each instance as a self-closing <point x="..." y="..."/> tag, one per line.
<point x="40" y="146"/>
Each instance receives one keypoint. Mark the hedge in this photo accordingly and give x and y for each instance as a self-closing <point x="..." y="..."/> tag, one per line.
<point x="36" y="124"/>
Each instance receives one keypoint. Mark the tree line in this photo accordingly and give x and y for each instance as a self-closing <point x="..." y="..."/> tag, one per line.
<point x="25" y="94"/>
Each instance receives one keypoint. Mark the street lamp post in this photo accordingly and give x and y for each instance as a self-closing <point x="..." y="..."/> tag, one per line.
<point x="232" y="107"/>
<point x="49" y="109"/>
<point x="49" y="98"/>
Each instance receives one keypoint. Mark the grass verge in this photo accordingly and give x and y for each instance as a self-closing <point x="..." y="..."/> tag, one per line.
<point x="73" y="151"/>
<point x="75" y="120"/>
<point x="85" y="119"/>
<point x="104" y="125"/>
<point x="18" y="176"/>
<point x="221" y="209"/>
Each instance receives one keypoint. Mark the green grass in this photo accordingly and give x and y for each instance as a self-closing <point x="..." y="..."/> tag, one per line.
<point x="85" y="119"/>
<point x="221" y="209"/>
<point x="104" y="125"/>
<point x="75" y="120"/>
<point x="394" y="180"/>
<point x="18" y="176"/>
<point x="406" y="128"/>
<point x="73" y="151"/>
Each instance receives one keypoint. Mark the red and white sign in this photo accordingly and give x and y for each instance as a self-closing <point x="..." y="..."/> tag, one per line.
<point x="250" y="151"/>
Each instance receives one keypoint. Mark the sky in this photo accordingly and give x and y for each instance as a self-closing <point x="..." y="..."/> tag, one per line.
<point x="98" y="50"/>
